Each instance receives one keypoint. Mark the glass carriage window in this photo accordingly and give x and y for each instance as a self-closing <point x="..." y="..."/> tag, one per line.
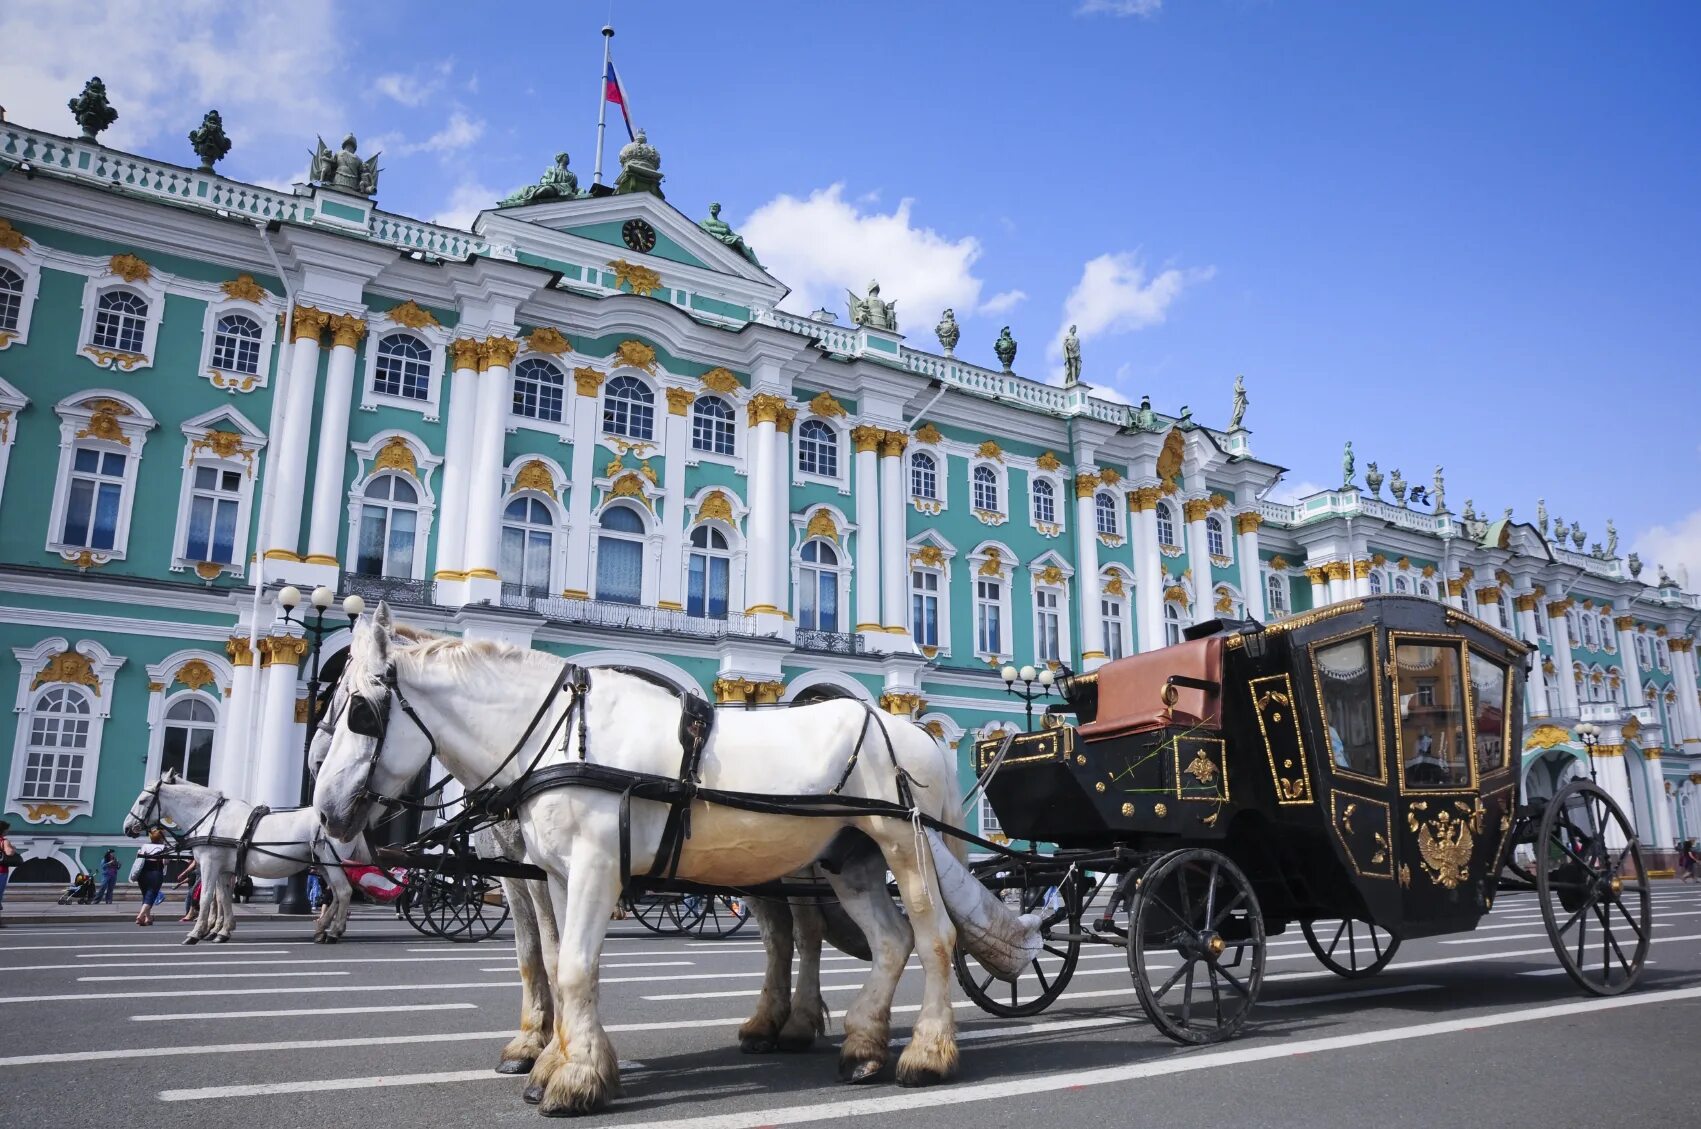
<point x="1488" y="705"/>
<point x="712" y="425"/>
<point x="388" y="522"/>
<point x="1346" y="683"/>
<point x="620" y="556"/>
<point x="216" y="497"/>
<point x="121" y="321"/>
<point x="628" y="408"/>
<point x="528" y="542"/>
<point x="1166" y="525"/>
<point x="989" y="627"/>
<point x="817" y="449"/>
<point x="59" y="737"/>
<point x="404" y="367"/>
<point x="1045" y="502"/>
<point x="1048" y="623"/>
<point x="1215" y="544"/>
<point x="236" y="344"/>
<point x="1110" y="620"/>
<point x="1104" y="514"/>
<point x="92" y="504"/>
<point x="1276" y="594"/>
<point x="818" y="588"/>
<point x="540" y="389"/>
<point x="11" y="297"/>
<point x="707" y="574"/>
<point x="1431" y="721"/>
<point x="188" y="745"/>
<point x="924" y="476"/>
<point x="924" y="607"/>
<point x="985" y="481"/>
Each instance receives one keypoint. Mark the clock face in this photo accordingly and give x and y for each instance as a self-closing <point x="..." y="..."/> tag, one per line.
<point x="639" y="236"/>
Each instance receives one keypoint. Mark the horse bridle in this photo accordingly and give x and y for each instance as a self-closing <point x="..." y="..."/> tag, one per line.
<point x="149" y="818"/>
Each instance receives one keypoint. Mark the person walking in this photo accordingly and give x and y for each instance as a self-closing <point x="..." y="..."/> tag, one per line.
<point x="108" y="878"/>
<point x="149" y="874"/>
<point x="191" y="900"/>
<point x="1686" y="860"/>
<point x="8" y="859"/>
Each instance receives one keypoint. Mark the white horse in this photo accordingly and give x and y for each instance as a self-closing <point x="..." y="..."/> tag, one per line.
<point x="282" y="843"/>
<point x="465" y="696"/>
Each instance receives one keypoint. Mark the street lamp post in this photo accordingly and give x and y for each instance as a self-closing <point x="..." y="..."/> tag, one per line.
<point x="1029" y="678"/>
<point x="1590" y="734"/>
<point x="294" y="898"/>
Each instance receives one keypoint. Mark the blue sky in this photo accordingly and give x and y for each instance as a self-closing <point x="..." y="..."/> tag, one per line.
<point x="1451" y="232"/>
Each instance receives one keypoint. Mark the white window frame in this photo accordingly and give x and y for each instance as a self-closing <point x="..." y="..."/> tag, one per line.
<point x="436" y="339"/>
<point x="1609" y="635"/>
<point x="197" y="453"/>
<point x="1180" y="622"/>
<point x="12" y="405"/>
<point x="658" y="410"/>
<point x="846" y="454"/>
<point x="76" y="415"/>
<point x="941" y="476"/>
<point x="1214" y="523"/>
<point x="1377" y="582"/>
<point x="1116" y="510"/>
<point x="561" y="428"/>
<point x="163" y="674"/>
<point x="425" y="463"/>
<point x="1662" y="653"/>
<point x="266" y="314"/>
<point x="1005" y="578"/>
<point x="690" y="424"/>
<point x="1065" y="607"/>
<point x="557" y="534"/>
<point x="27" y="263"/>
<point x="651" y="541"/>
<point x="1059" y="504"/>
<point x="1644" y="653"/>
<point x="1001" y="482"/>
<point x="150" y="289"/>
<point x="1126" y="600"/>
<point x="937" y="497"/>
<point x="842" y="577"/>
<point x="947" y="555"/>
<point x="1276" y="583"/>
<point x="33" y="661"/>
<point x="1173" y="547"/>
<point x="737" y="556"/>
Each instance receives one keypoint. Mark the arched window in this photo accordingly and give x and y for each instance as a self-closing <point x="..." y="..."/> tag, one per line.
<point x="236" y="344"/>
<point x="1609" y="637"/>
<point x="58" y="743"/>
<point x="540" y="390"/>
<point x="1172" y="625"/>
<point x="620" y="556"/>
<point x="1401" y="584"/>
<point x="1166" y="525"/>
<point x="986" y="490"/>
<point x="712" y="425"/>
<point x="528" y="545"/>
<point x="1111" y="626"/>
<point x="404" y="367"/>
<point x="1104" y="514"/>
<point x="1643" y="659"/>
<point x="817" y="449"/>
<point x="188" y="745"/>
<point x="629" y="408"/>
<point x="924" y="476"/>
<point x="121" y="321"/>
<point x="1376" y="582"/>
<point x="1215" y="543"/>
<point x="1426" y="589"/>
<point x="708" y="576"/>
<point x="389" y="521"/>
<point x="818" y="587"/>
<point x="1045" y="502"/>
<point x="1276" y="594"/>
<point x="1589" y="639"/>
<point x="11" y="298"/>
<point x="1506" y="620"/>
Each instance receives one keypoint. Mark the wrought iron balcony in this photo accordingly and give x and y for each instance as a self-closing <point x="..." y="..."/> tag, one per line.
<point x="396" y="590"/>
<point x="625" y="617"/>
<point x="830" y="642"/>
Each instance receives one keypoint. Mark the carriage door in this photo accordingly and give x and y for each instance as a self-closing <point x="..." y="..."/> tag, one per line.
<point x="1439" y="817"/>
<point x="1361" y="813"/>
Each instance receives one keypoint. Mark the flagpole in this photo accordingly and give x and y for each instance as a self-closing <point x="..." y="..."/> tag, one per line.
<point x="602" y="100"/>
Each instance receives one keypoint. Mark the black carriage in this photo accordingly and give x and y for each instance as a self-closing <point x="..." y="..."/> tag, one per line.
<point x="1353" y="771"/>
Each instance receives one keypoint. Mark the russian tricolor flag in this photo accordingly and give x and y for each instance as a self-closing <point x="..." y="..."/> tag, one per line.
<point x="614" y="91"/>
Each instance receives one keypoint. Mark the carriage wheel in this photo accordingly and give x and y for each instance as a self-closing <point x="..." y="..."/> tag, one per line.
<point x="1038" y="985"/>
<point x="668" y="914"/>
<point x="1594" y="896"/>
<point x="488" y="915"/>
<point x="1196" y="905"/>
<point x="455" y="905"/>
<point x="721" y="916"/>
<point x="413" y="905"/>
<point x="1351" y="947"/>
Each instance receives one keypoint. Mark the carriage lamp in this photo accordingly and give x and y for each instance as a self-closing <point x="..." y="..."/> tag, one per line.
<point x="1253" y="640"/>
<point x="1029" y="677"/>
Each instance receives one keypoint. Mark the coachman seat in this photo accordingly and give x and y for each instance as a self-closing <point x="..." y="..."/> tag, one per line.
<point x="1137" y="695"/>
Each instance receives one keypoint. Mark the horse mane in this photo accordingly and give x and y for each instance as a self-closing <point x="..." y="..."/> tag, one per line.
<point x="422" y="644"/>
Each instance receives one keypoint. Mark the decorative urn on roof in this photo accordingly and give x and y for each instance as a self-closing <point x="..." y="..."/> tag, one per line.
<point x="640" y="167"/>
<point x="1005" y="348"/>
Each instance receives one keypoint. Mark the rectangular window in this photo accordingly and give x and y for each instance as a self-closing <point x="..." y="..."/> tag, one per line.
<point x="1346" y="683"/>
<point x="924" y="608"/>
<point x="706" y="586"/>
<point x="525" y="558"/>
<point x="989" y="634"/>
<point x="386" y="541"/>
<point x="94" y="499"/>
<point x="990" y="828"/>
<point x="213" y="505"/>
<point x="1048" y="625"/>
<point x="1431" y="730"/>
<point x="1488" y="703"/>
<point x="1110" y="617"/>
<point x="620" y="570"/>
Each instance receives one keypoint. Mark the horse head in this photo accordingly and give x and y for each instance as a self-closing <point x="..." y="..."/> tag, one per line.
<point x="146" y="811"/>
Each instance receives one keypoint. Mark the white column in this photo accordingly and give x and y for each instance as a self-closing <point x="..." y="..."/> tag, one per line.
<point x="586" y="381"/>
<point x="483" y="551"/>
<point x="1455" y="590"/>
<point x="780" y="505"/>
<point x="1612" y="775"/>
<point x="1087" y="571"/>
<point x="1631" y="668"/>
<point x="1360" y="584"/>
<point x="1488" y="607"/>
<point x="675" y="440"/>
<point x="1660" y="824"/>
<point x="1535" y="683"/>
<point x="235" y="756"/>
<point x="1251" y="573"/>
<point x="1340" y="581"/>
<point x="277" y="773"/>
<point x="1148" y="567"/>
<point x="766" y="524"/>
<point x="1683" y="681"/>
<point x="1199" y="556"/>
<point x="460" y="439"/>
<point x="866" y="442"/>
<point x="329" y="503"/>
<point x="1561" y="636"/>
<point x="894" y="583"/>
<point x="1319" y="577"/>
<point x="288" y="458"/>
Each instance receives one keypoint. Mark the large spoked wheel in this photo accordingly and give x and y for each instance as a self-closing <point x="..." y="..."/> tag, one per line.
<point x="1196" y="946"/>
<point x="1593" y="889"/>
<point x="464" y="908"/>
<point x="1039" y="984"/>
<point x="719" y="916"/>
<point x="1350" y="947"/>
<point x="414" y="898"/>
<point x="668" y="914"/>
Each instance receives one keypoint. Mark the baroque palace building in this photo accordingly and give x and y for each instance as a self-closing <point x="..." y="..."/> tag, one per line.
<point x="587" y="427"/>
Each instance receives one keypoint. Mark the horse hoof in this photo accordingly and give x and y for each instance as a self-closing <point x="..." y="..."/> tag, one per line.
<point x="854" y="1072"/>
<point x="533" y="1094"/>
<point x="190" y="940"/>
<point x="912" y="1077"/>
<point x="515" y="1066"/>
<point x="756" y="1045"/>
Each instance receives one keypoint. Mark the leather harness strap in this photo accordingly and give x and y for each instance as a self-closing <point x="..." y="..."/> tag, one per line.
<point x="247" y="840"/>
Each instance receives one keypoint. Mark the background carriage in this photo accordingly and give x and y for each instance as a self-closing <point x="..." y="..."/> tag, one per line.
<point x="1352" y="771"/>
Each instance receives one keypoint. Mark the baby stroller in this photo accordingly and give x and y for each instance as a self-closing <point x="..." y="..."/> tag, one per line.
<point x="80" y="892"/>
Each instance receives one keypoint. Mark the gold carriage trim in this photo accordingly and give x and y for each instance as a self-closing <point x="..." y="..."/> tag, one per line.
<point x="1273" y="704"/>
<point x="1369" y="845"/>
<point x="1208" y="765"/>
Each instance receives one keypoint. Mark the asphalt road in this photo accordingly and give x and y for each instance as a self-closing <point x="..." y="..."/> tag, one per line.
<point x="109" y="1025"/>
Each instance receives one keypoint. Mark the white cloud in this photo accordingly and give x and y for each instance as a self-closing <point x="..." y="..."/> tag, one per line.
<point x="266" y="68"/>
<point x="415" y="89"/>
<point x="1143" y="8"/>
<point x="1677" y="546"/>
<point x="457" y="133"/>
<point x="1116" y="296"/>
<point x="466" y="201"/>
<point x="1287" y="492"/>
<point x="1004" y="301"/>
<point x="825" y="244"/>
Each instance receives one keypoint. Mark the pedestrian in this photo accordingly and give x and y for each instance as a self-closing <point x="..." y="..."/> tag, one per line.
<point x="8" y="859"/>
<point x="148" y="872"/>
<point x="191" y="900"/>
<point x="315" y="890"/>
<point x="108" y="878"/>
<point x="1686" y="860"/>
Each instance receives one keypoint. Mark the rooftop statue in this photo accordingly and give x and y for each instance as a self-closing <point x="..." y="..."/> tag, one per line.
<point x="1347" y="464"/>
<point x="1507" y="516"/>
<point x="1145" y="419"/>
<point x="1612" y="539"/>
<point x="1665" y="577"/>
<point x="723" y="231"/>
<point x="640" y="167"/>
<point x="1635" y="563"/>
<point x="1005" y="348"/>
<point x="209" y="142"/>
<point x="1541" y="516"/>
<point x="1577" y="535"/>
<point x="1185" y="419"/>
<point x="1372" y="479"/>
<point x="557" y="183"/>
<point x="1397" y="486"/>
<point x="1071" y="358"/>
<point x="1439" y="493"/>
<point x="871" y="311"/>
<point x="1240" y="402"/>
<point x="343" y="169"/>
<point x="947" y="332"/>
<point x="91" y="109"/>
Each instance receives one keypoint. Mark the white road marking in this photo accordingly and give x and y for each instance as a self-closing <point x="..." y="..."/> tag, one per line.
<point x="181" y="952"/>
<point x="1180" y="1062"/>
<point x="209" y="976"/>
<point x="320" y="960"/>
<point x="386" y="1009"/>
<point x="1332" y="997"/>
<point x="275" y="991"/>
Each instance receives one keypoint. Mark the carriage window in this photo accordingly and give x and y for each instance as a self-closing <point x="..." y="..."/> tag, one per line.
<point x="1433" y="753"/>
<point x="1346" y="677"/>
<point x="1488" y="705"/>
